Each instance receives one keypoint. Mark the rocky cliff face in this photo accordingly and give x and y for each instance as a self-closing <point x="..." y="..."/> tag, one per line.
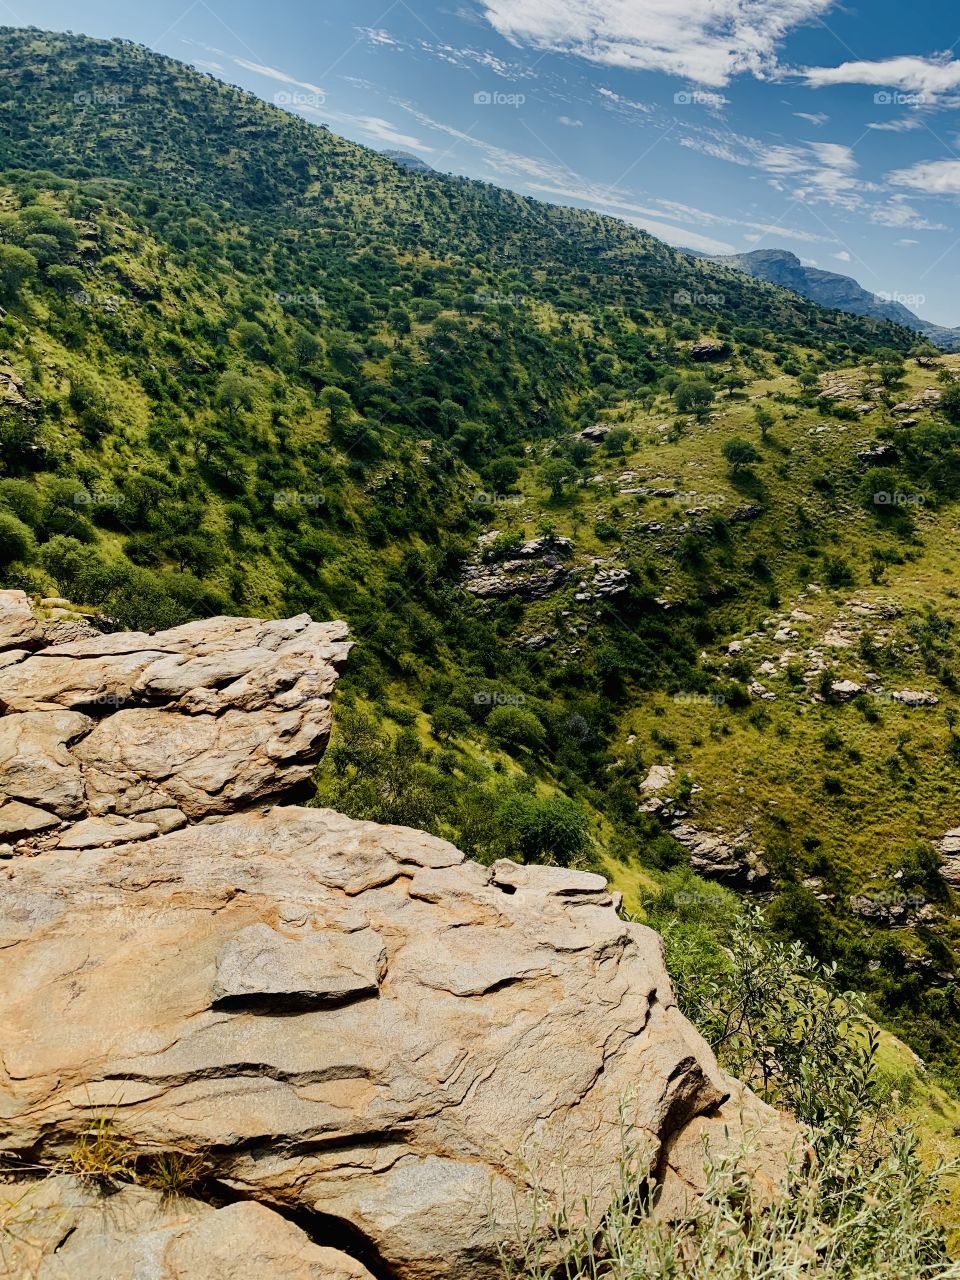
<point x="358" y="1035"/>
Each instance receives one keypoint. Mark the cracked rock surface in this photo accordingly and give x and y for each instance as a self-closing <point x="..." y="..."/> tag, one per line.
<point x="353" y="1026"/>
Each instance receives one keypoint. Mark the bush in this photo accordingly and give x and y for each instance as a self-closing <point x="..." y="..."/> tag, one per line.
<point x="17" y="543"/>
<point x="515" y="727"/>
<point x="548" y="829"/>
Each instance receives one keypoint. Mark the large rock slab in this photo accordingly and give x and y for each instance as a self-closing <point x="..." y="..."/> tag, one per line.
<point x="61" y="1229"/>
<point x="351" y="1021"/>
<point x="202" y="719"/>
<point x="350" y="1024"/>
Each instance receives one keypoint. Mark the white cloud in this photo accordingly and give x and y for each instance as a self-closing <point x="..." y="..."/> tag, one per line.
<point x="906" y="242"/>
<point x="273" y="74"/>
<point x="570" y="124"/>
<point x="929" y="77"/>
<point x="707" y="41"/>
<point x="680" y="237"/>
<point x="905" y="124"/>
<point x="817" y="118"/>
<point x="933" y="177"/>
<point x="898" y="212"/>
<point x="373" y="127"/>
<point x="843" y="256"/>
<point x="617" y="100"/>
<point x="499" y="159"/>
<point x="814" y="172"/>
<point x="205" y="65"/>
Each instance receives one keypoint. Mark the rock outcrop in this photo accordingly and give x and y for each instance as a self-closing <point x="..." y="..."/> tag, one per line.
<point x="350" y="1026"/>
<point x="62" y="1229"/>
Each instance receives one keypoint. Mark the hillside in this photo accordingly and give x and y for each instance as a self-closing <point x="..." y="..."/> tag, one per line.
<point x="547" y="469"/>
<point x="830" y="289"/>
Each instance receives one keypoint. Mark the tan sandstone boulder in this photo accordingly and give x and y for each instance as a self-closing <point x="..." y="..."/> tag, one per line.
<point x="348" y="1022"/>
<point x="60" y="1229"/>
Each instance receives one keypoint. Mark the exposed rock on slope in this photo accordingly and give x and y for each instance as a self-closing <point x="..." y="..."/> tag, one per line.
<point x="186" y="723"/>
<point x="349" y="1023"/>
<point x="64" y="1230"/>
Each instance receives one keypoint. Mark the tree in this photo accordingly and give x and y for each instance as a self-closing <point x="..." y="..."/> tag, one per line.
<point x="740" y="453"/>
<point x="950" y="403"/>
<point x="732" y="382"/>
<point x="450" y="722"/>
<point x="556" y="475"/>
<point x="236" y="391"/>
<point x="306" y="348"/>
<point x="17" y="266"/>
<point x="693" y="395"/>
<point x="338" y="405"/>
<point x="515" y="726"/>
<point x="17" y="543"/>
<point x="616" y="441"/>
<point x="765" y="420"/>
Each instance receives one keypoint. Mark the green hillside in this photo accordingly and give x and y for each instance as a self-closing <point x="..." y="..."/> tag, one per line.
<point x="248" y="366"/>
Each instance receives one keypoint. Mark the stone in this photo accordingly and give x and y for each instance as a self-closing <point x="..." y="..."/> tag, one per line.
<point x="343" y="1021"/>
<point x="19" y="629"/>
<point x="97" y="833"/>
<point x="345" y="1018"/>
<point x="62" y="1229"/>
<point x="659" y="777"/>
<point x="18" y="820"/>
<point x="844" y="690"/>
<point x="729" y="860"/>
<point x="194" y="722"/>
<point x="915" y="698"/>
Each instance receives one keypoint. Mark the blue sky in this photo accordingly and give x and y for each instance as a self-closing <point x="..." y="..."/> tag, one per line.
<point x="831" y="129"/>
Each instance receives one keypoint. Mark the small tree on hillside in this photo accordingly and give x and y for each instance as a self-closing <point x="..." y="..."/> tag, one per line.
<point x="740" y="454"/>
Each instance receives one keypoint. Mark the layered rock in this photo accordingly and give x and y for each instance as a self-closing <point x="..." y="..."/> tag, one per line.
<point x="61" y="1229"/>
<point x="182" y="724"/>
<point x="349" y="1024"/>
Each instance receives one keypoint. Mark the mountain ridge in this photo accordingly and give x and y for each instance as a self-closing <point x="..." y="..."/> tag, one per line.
<point x="832" y="289"/>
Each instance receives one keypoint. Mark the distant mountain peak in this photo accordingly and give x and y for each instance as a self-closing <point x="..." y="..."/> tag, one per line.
<point x="409" y="161"/>
<point x="839" y="292"/>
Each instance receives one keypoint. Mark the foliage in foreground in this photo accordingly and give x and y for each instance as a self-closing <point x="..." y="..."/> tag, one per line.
<point x="861" y="1206"/>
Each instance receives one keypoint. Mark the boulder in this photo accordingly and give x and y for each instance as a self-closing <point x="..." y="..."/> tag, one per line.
<point x="915" y="698"/>
<point x="62" y="1229"/>
<point x="202" y="719"/>
<point x="348" y="1025"/>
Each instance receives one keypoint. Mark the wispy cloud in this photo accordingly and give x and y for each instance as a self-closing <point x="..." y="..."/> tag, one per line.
<point x="811" y="171"/>
<point x="816" y="118"/>
<point x="932" y="177"/>
<point x="272" y="73"/>
<point x="706" y="41"/>
<point x="898" y="212"/>
<point x="930" y="77"/>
